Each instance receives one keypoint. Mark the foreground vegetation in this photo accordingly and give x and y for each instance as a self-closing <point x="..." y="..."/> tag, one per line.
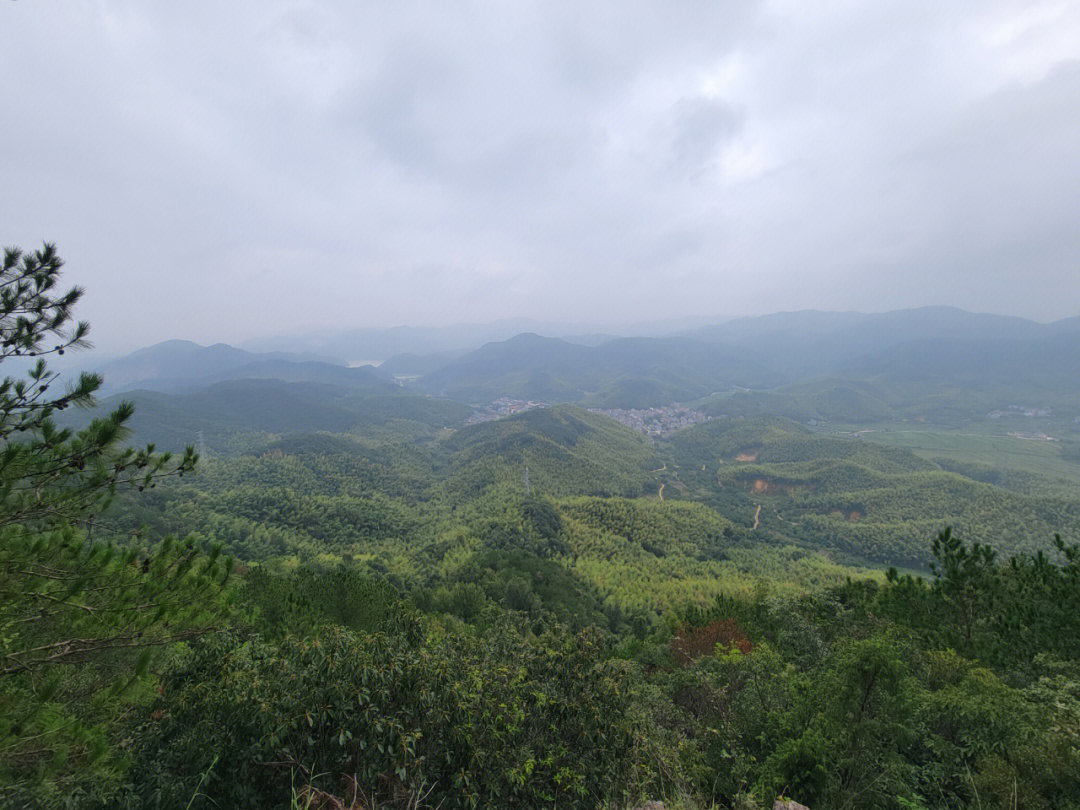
<point x="962" y="691"/>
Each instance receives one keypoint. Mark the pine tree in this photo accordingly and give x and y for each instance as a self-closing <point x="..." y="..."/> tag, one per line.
<point x="79" y="617"/>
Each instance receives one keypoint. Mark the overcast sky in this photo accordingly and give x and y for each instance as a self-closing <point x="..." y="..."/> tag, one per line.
<point x="219" y="171"/>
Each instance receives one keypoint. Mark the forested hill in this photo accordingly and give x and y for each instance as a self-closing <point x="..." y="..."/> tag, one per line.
<point x="781" y="482"/>
<point x="567" y="452"/>
<point x="221" y="414"/>
<point x="183" y="366"/>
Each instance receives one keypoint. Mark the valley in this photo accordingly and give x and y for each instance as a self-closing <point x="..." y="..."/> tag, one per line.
<point x="787" y="465"/>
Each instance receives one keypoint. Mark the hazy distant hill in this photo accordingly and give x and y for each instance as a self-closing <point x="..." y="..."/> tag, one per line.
<point x="380" y="344"/>
<point x="624" y="372"/>
<point x="312" y="372"/>
<point x="828" y="399"/>
<point x="218" y="413"/>
<point x="376" y="344"/>
<point x="1048" y="361"/>
<point x="181" y="365"/>
<point x="804" y="365"/>
<point x="480" y="362"/>
<point x="415" y="365"/>
<point x="812" y="342"/>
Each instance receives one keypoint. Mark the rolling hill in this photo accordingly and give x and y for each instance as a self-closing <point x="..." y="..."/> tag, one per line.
<point x="624" y="372"/>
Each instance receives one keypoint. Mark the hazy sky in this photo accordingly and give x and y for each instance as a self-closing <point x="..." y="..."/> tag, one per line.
<point x="219" y="171"/>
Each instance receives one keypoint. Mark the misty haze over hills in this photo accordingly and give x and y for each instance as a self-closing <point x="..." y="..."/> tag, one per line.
<point x="374" y="345"/>
<point x="758" y="352"/>
<point x="937" y="365"/>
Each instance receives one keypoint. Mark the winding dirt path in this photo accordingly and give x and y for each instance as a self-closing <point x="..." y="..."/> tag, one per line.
<point x="661" y="492"/>
<point x="757" y="518"/>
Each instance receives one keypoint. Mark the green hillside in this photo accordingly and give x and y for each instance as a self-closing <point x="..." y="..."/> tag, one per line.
<point x="219" y="415"/>
<point x="865" y="500"/>
<point x="567" y="451"/>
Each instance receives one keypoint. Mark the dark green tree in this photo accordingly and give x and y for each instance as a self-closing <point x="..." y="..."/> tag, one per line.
<point x="79" y="613"/>
<point x="966" y="580"/>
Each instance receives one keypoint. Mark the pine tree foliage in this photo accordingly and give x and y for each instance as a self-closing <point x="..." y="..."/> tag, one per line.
<point x="51" y="475"/>
<point x="80" y="613"/>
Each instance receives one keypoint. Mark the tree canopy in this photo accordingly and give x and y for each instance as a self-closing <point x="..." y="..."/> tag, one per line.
<point x="81" y="609"/>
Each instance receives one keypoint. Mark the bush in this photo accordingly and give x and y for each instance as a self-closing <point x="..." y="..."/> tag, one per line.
<point x="507" y="722"/>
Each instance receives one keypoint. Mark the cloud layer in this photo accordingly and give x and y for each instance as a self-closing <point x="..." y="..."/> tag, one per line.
<point x="220" y="171"/>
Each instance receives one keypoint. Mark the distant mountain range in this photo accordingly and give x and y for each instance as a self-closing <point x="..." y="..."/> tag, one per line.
<point x="183" y="366"/>
<point x="623" y="372"/>
<point x="930" y="363"/>
<point x="375" y="345"/>
<point x="801" y="344"/>
<point x="929" y="345"/>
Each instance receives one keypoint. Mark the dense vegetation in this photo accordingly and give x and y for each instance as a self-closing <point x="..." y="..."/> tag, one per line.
<point x="548" y="610"/>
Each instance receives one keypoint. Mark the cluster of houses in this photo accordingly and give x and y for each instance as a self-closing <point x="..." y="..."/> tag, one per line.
<point x="1020" y="410"/>
<point x="661" y="421"/>
<point x="502" y="407"/>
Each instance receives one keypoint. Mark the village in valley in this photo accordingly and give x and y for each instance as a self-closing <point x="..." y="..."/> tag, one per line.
<point x="501" y="408"/>
<point x="659" y="422"/>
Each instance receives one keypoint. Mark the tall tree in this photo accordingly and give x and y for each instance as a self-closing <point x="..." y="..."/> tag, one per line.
<point x="78" y="616"/>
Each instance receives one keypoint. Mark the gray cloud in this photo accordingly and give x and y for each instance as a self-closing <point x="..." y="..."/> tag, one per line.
<point x="223" y="171"/>
<point x="702" y="124"/>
